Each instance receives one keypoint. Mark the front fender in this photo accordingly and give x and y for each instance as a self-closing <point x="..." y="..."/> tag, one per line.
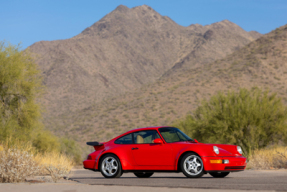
<point x="201" y="150"/>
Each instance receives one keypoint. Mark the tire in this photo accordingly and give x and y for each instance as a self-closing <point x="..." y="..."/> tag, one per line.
<point x="143" y="174"/>
<point x="192" y="166"/>
<point x="110" y="166"/>
<point x="219" y="174"/>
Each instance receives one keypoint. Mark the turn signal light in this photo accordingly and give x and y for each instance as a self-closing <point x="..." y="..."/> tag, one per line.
<point x="216" y="161"/>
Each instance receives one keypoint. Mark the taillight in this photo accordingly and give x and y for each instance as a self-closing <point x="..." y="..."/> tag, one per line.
<point x="89" y="157"/>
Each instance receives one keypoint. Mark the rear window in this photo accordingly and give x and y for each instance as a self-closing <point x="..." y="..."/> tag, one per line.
<point x="127" y="139"/>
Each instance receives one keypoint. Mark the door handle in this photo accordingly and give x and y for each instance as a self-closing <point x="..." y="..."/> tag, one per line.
<point x="135" y="148"/>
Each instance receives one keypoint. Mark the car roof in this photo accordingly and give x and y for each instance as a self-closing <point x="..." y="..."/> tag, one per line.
<point x="147" y="128"/>
<point x="140" y="129"/>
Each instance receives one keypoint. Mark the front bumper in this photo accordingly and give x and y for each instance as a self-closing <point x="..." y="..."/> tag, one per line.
<point x="235" y="164"/>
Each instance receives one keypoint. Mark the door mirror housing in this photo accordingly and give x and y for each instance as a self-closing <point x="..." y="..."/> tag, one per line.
<point x="157" y="141"/>
<point x="195" y="141"/>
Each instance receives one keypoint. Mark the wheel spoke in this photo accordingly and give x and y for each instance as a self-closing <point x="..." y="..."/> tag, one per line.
<point x="193" y="165"/>
<point x="109" y="166"/>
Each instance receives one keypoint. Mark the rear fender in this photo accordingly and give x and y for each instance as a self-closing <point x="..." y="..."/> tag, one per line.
<point x="125" y="158"/>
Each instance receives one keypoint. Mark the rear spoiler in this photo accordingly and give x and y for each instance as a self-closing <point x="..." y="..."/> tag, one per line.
<point x="96" y="145"/>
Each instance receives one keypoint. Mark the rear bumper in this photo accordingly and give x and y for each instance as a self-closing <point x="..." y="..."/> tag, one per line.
<point x="235" y="164"/>
<point x="89" y="164"/>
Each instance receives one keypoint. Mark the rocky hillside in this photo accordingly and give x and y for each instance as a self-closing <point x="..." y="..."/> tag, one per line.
<point x="262" y="63"/>
<point x="126" y="49"/>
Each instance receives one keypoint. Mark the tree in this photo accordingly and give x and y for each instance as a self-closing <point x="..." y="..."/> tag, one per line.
<point x="20" y="113"/>
<point x="252" y="119"/>
<point x="20" y="85"/>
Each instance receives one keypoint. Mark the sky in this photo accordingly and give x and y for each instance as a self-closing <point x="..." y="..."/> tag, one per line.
<point x="29" y="21"/>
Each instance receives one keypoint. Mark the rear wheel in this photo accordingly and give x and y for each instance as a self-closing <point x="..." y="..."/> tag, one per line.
<point x="143" y="174"/>
<point x="110" y="166"/>
<point x="219" y="174"/>
<point x="192" y="165"/>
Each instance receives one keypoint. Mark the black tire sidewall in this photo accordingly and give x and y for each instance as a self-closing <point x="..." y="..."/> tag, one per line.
<point x="182" y="168"/>
<point x="119" y="171"/>
<point x="219" y="174"/>
<point x="143" y="175"/>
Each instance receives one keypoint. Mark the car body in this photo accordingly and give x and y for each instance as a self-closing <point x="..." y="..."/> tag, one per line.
<point x="156" y="149"/>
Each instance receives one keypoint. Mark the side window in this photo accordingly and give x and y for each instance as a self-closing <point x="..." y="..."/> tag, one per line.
<point x="127" y="139"/>
<point x="145" y="137"/>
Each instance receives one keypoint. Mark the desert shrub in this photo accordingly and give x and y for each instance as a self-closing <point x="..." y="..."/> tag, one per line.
<point x="16" y="165"/>
<point x="45" y="141"/>
<point x="72" y="149"/>
<point x="20" y="113"/>
<point x="272" y="158"/>
<point x="252" y="119"/>
<point x="54" y="164"/>
<point x="20" y="85"/>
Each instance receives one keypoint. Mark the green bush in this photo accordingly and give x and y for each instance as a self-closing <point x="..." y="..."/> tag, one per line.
<point x="20" y="114"/>
<point x="252" y="119"/>
<point x="20" y="86"/>
<point x="45" y="141"/>
<point x="71" y="148"/>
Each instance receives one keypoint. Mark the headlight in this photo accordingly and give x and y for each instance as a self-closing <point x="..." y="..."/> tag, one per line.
<point x="216" y="150"/>
<point x="239" y="150"/>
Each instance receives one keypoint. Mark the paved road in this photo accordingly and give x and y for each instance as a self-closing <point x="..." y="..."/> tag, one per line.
<point x="247" y="180"/>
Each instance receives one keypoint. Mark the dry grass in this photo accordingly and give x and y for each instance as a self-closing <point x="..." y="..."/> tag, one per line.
<point x="16" y="165"/>
<point x="18" y="161"/>
<point x="273" y="158"/>
<point x="54" y="164"/>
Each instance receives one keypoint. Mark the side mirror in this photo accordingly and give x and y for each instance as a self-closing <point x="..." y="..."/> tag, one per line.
<point x="195" y="140"/>
<point x="157" y="141"/>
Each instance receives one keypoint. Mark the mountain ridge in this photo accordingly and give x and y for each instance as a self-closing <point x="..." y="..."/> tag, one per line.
<point x="126" y="49"/>
<point x="261" y="63"/>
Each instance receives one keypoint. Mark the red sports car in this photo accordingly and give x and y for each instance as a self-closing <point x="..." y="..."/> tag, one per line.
<point x="144" y="151"/>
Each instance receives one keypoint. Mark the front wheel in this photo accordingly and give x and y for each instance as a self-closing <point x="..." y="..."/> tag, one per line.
<point x="192" y="165"/>
<point x="110" y="166"/>
<point x="219" y="174"/>
<point x="143" y="174"/>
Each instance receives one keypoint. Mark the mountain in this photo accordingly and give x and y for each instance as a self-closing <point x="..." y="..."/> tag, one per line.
<point x="261" y="63"/>
<point x="126" y="49"/>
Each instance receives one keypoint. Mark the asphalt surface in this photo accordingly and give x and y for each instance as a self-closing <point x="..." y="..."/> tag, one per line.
<point x="273" y="180"/>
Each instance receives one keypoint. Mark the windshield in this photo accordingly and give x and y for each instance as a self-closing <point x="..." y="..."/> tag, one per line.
<point x="171" y="134"/>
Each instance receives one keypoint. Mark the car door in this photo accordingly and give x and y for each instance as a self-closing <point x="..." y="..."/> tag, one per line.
<point x="147" y="153"/>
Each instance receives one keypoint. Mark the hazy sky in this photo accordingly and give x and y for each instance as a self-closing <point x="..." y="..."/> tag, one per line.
<point x="29" y="21"/>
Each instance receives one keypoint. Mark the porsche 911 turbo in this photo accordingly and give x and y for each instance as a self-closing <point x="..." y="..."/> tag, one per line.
<point x="144" y="151"/>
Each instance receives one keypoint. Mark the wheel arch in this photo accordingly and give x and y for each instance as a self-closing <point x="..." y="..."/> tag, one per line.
<point x="181" y="156"/>
<point x="105" y="154"/>
<point x="125" y="162"/>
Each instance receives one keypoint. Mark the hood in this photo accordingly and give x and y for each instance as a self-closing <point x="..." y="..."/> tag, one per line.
<point x="224" y="149"/>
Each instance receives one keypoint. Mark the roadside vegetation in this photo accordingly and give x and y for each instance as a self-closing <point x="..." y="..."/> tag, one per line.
<point x="26" y="147"/>
<point x="269" y="158"/>
<point x="20" y="160"/>
<point x="253" y="119"/>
